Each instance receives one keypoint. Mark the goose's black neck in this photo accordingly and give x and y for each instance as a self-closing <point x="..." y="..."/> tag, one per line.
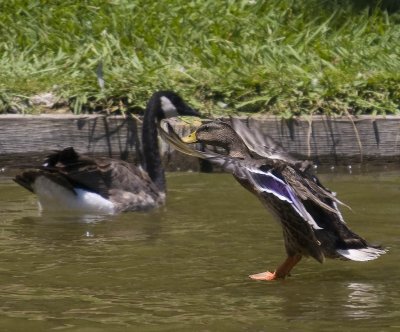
<point x="151" y="153"/>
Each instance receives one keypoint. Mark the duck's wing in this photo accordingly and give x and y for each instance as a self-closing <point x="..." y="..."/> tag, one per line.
<point x="264" y="145"/>
<point x="305" y="185"/>
<point x="308" y="187"/>
<point x="261" y="179"/>
<point x="265" y="180"/>
<point x="262" y="176"/>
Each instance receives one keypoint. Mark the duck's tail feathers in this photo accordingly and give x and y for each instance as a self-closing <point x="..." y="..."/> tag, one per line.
<point x="362" y="254"/>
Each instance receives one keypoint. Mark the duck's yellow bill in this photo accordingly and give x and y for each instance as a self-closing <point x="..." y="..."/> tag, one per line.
<point x="190" y="138"/>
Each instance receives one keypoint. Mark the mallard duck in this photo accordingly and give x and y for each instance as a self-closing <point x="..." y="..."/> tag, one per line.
<point x="307" y="211"/>
<point x="70" y="181"/>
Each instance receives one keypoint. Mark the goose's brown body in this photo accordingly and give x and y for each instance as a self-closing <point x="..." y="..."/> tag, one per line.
<point x="68" y="180"/>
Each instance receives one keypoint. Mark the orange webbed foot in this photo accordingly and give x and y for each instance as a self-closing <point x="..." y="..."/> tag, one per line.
<point x="281" y="272"/>
<point x="265" y="276"/>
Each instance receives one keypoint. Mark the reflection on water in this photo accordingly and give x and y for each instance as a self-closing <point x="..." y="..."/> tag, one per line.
<point x="185" y="266"/>
<point x="364" y="300"/>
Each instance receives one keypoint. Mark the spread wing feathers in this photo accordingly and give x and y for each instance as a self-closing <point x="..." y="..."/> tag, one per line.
<point x="307" y="189"/>
<point x="266" y="181"/>
<point x="263" y="181"/>
<point x="292" y="189"/>
<point x="264" y="145"/>
<point x="307" y="186"/>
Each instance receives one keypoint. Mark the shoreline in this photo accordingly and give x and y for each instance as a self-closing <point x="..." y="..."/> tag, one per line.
<point x="325" y="140"/>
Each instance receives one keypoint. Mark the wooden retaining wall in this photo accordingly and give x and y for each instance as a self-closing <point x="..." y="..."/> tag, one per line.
<point x="341" y="140"/>
<point x="26" y="139"/>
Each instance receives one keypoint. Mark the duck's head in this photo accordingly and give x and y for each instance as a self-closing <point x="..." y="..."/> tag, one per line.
<point x="216" y="133"/>
<point x="169" y="104"/>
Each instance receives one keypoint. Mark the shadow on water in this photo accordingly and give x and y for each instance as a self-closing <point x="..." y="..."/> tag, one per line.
<point x="185" y="266"/>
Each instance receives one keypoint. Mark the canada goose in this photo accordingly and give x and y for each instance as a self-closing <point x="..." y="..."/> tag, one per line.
<point x="311" y="221"/>
<point x="70" y="181"/>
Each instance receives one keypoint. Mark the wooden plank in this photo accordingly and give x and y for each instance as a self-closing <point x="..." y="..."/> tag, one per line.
<point x="89" y="134"/>
<point x="27" y="138"/>
<point x="337" y="140"/>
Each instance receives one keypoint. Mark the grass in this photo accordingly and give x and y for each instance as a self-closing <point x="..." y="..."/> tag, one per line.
<point x="284" y="57"/>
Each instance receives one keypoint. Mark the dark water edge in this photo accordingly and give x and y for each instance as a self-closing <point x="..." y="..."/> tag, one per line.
<point x="185" y="266"/>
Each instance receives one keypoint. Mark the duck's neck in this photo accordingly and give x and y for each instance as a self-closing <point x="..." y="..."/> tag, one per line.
<point x="151" y="153"/>
<point x="237" y="148"/>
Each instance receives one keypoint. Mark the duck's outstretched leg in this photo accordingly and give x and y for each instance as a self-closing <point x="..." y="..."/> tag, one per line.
<point x="281" y="272"/>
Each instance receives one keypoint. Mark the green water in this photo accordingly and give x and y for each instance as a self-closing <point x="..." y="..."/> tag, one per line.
<point x="185" y="266"/>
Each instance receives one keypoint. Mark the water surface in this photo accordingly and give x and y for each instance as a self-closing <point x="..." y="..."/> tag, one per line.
<point x="185" y="266"/>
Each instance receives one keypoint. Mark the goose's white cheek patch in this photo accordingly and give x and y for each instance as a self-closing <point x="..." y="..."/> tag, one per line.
<point x="168" y="108"/>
